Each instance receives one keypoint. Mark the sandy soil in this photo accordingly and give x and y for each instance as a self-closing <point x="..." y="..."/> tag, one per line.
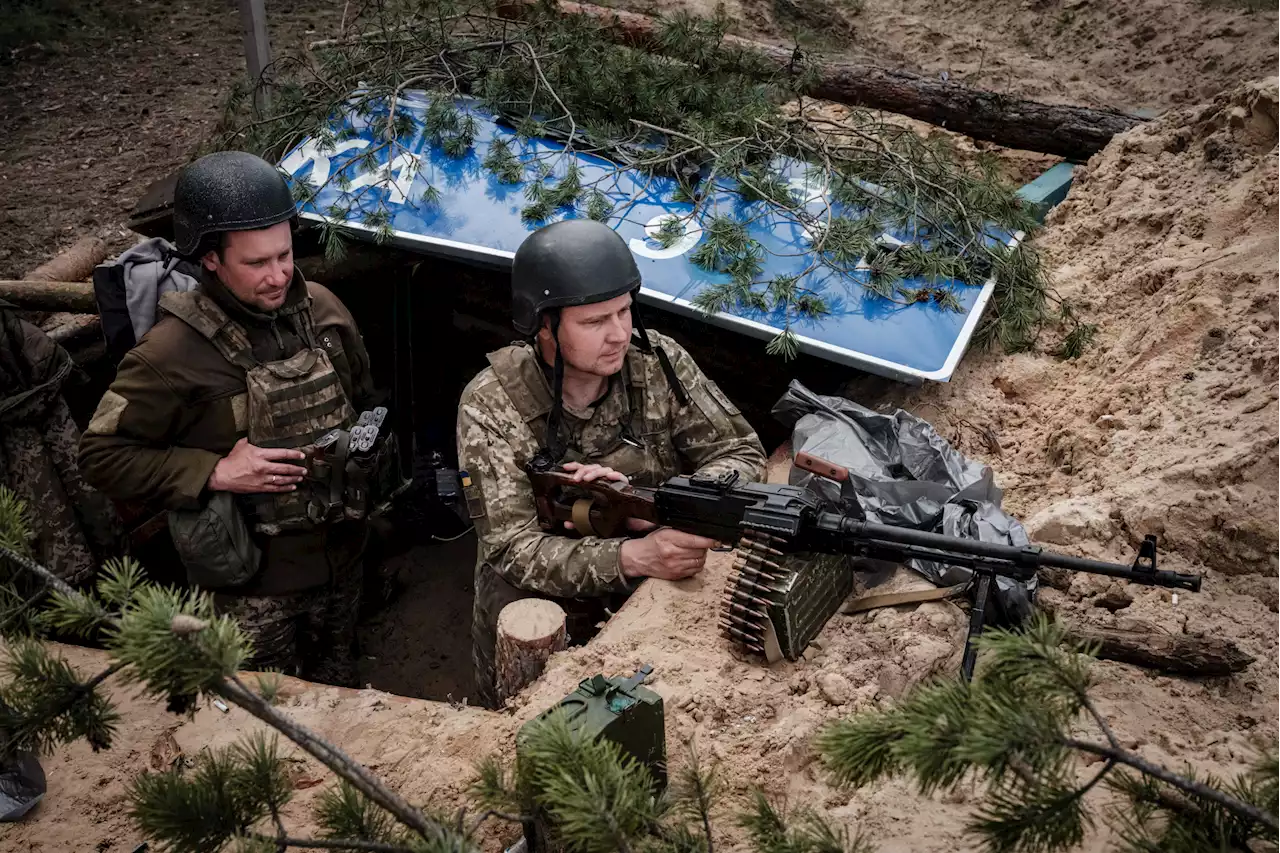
<point x="1139" y="55"/>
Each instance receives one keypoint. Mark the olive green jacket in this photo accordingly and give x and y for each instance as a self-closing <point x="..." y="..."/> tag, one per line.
<point x="177" y="406"/>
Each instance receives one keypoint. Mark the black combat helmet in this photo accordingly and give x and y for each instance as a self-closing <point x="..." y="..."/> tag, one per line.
<point x="574" y="262"/>
<point x="227" y="191"/>
<point x="571" y="262"/>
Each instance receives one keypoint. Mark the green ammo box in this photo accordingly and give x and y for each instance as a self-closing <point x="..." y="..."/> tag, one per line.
<point x="620" y="710"/>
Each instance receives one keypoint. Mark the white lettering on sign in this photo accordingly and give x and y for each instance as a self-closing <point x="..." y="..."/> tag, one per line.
<point x="692" y="233"/>
<point x="397" y="175"/>
<point x="809" y="188"/>
<point x="309" y="152"/>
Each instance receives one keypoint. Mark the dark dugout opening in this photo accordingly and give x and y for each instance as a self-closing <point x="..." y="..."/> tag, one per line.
<point x="428" y="324"/>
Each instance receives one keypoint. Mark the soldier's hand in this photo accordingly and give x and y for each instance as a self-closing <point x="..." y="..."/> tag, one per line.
<point x="248" y="469"/>
<point x="586" y="473"/>
<point x="665" y="553"/>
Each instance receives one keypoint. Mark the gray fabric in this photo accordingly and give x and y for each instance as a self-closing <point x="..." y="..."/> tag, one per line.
<point x="214" y="543"/>
<point x="907" y="475"/>
<point x="152" y="269"/>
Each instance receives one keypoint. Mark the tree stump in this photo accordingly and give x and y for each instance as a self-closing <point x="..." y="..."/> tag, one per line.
<point x="529" y="632"/>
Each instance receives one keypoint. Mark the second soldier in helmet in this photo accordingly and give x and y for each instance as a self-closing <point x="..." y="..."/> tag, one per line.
<point x="208" y="415"/>
<point x="582" y="392"/>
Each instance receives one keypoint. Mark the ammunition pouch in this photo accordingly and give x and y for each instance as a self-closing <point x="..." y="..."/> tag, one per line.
<point x="342" y="483"/>
<point x="214" y="543"/>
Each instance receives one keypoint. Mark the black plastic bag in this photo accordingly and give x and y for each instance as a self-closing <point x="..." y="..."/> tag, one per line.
<point x="905" y="474"/>
<point x="22" y="785"/>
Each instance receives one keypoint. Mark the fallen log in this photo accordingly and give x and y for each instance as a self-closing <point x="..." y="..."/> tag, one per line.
<point x="74" y="297"/>
<point x="529" y="632"/>
<point x="1177" y="654"/>
<point x="72" y="264"/>
<point x="73" y="329"/>
<point x="1075" y="133"/>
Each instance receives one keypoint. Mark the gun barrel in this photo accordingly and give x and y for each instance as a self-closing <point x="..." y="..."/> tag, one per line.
<point x="886" y="541"/>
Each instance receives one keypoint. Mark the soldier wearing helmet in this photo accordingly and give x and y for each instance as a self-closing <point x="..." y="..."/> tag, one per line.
<point x="583" y="393"/>
<point x="210" y="413"/>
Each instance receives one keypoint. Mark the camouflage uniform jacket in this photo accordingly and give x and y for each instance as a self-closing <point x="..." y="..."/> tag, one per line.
<point x="74" y="527"/>
<point x="639" y="428"/>
<point x="177" y="406"/>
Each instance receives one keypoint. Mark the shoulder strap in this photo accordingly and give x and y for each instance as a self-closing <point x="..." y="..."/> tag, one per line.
<point x="304" y="321"/>
<point x="520" y="377"/>
<point x="637" y="387"/>
<point x="211" y="323"/>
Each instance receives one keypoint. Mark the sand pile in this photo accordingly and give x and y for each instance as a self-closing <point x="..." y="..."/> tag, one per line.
<point x="1166" y="425"/>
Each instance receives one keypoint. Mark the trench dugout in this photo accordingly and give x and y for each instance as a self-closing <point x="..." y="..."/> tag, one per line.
<point x="428" y="323"/>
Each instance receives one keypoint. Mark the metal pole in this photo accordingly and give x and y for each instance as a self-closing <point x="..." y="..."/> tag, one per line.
<point x="257" y="47"/>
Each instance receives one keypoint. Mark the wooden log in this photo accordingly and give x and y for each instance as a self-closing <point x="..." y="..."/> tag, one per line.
<point x="68" y="329"/>
<point x="1178" y="654"/>
<point x="1075" y="133"/>
<point x="73" y="264"/>
<point x="75" y="297"/>
<point x="529" y="632"/>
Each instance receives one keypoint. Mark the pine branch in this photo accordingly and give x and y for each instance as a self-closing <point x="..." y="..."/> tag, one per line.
<point x="233" y="690"/>
<point x="701" y="103"/>
<point x="38" y="570"/>
<point x="285" y="842"/>
<point x="1238" y="808"/>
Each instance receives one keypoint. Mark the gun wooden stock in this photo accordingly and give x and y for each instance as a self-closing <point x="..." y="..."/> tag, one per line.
<point x="599" y="508"/>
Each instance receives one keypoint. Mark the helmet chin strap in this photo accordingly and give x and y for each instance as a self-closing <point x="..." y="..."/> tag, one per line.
<point x="553" y="445"/>
<point x="673" y="381"/>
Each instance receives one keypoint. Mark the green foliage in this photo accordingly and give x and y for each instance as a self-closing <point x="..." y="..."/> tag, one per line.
<point x="270" y="683"/>
<point x="1013" y="728"/>
<point x="772" y="830"/>
<point x="19" y="594"/>
<point x="171" y="659"/>
<point x="226" y="793"/>
<point x="597" y="798"/>
<point x="721" y="128"/>
<point x="343" y="812"/>
<point x="44" y="703"/>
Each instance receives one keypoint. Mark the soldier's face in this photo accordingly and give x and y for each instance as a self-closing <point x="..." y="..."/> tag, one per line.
<point x="256" y="266"/>
<point x="594" y="338"/>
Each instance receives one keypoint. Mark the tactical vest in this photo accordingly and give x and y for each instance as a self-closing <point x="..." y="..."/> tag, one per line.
<point x="290" y="403"/>
<point x="639" y="444"/>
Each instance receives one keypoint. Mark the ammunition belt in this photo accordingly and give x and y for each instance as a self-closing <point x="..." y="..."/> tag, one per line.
<point x="776" y="601"/>
<point x="757" y="585"/>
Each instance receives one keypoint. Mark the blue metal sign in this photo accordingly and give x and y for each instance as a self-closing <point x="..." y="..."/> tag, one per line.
<point x="475" y="217"/>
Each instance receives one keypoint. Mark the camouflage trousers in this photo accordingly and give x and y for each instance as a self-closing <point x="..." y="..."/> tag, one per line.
<point x="311" y="634"/>
<point x="492" y="594"/>
<point x="75" y="528"/>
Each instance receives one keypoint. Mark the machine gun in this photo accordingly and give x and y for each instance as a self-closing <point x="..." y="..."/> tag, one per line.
<point x="774" y="610"/>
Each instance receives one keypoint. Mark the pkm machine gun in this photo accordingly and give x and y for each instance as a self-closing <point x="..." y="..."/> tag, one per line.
<point x="775" y="610"/>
